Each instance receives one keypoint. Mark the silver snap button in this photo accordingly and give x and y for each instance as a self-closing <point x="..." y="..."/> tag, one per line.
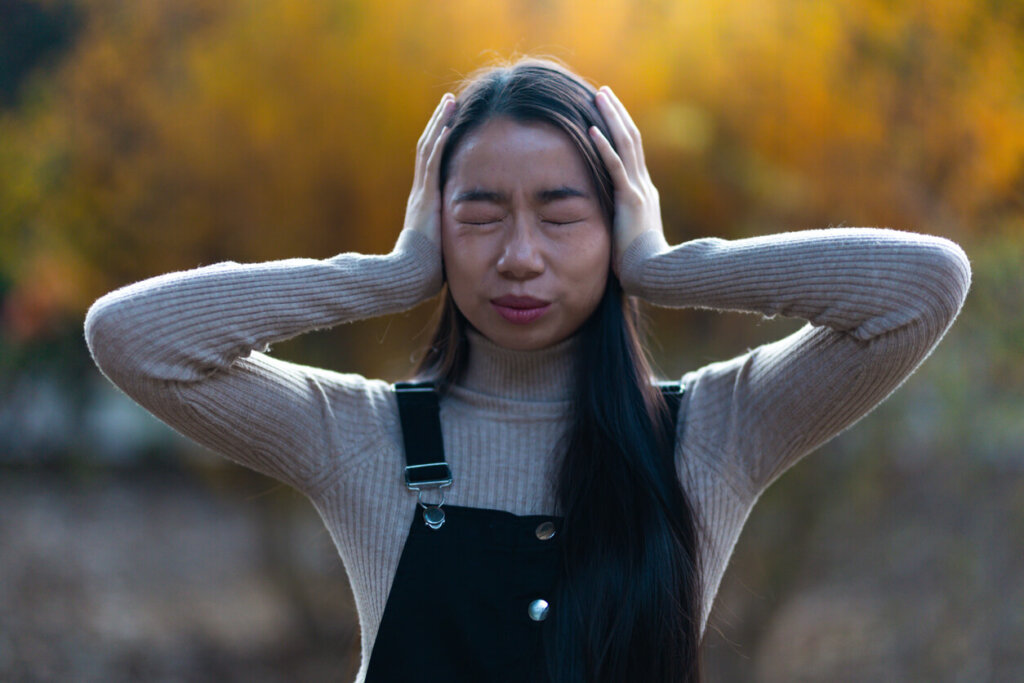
<point x="538" y="610"/>
<point x="545" y="531"/>
<point x="433" y="516"/>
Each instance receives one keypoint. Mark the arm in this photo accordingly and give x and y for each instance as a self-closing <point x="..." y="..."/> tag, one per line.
<point x="190" y="346"/>
<point x="877" y="302"/>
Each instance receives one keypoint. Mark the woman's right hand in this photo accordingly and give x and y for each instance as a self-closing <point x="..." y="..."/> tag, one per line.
<point x="423" y="210"/>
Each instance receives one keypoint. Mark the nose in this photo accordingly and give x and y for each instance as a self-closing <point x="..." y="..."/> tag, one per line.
<point x="521" y="257"/>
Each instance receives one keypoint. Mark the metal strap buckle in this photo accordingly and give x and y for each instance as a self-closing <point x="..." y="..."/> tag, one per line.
<point x="439" y="478"/>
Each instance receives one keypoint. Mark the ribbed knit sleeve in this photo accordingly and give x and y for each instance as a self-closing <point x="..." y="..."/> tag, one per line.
<point x="190" y="348"/>
<point x="877" y="302"/>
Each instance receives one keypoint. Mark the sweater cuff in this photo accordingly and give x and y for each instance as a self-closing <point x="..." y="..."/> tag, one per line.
<point x="639" y="251"/>
<point x="423" y="256"/>
<point x="420" y="247"/>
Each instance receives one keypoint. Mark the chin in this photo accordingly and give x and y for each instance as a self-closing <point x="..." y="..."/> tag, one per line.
<point x="519" y="344"/>
<point x="525" y="339"/>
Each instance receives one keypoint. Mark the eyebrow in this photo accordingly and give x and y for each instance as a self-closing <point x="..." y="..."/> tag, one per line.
<point x="542" y="196"/>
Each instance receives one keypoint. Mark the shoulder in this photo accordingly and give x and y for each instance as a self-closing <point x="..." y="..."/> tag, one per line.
<point x="354" y="404"/>
<point x="340" y="417"/>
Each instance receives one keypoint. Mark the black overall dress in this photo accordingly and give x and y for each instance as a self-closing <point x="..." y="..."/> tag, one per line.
<point x="472" y="586"/>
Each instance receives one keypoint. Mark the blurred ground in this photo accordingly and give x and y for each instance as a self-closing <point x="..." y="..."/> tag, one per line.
<point x="149" y="575"/>
<point x="140" y="138"/>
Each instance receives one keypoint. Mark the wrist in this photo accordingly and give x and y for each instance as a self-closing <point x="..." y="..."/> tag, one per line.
<point x="635" y="254"/>
<point x="422" y="255"/>
<point x="429" y="232"/>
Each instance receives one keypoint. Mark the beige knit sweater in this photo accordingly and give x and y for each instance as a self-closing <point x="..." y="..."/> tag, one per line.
<point x="191" y="348"/>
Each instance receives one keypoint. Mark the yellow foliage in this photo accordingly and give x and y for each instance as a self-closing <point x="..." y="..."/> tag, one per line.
<point x="180" y="132"/>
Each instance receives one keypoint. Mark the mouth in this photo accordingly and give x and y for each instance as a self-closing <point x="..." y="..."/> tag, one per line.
<point x="520" y="310"/>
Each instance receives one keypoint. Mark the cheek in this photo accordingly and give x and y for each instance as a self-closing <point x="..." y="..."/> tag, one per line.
<point x="463" y="263"/>
<point x="590" y="257"/>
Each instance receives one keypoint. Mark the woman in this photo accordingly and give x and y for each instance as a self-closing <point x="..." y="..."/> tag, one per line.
<point x="567" y="523"/>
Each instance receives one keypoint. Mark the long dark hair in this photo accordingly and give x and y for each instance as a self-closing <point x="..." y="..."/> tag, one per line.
<point x="629" y="604"/>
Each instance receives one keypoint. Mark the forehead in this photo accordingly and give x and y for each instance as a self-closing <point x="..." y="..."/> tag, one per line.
<point x="503" y="154"/>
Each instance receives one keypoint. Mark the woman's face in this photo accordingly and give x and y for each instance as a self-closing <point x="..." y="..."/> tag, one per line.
<point x="526" y="247"/>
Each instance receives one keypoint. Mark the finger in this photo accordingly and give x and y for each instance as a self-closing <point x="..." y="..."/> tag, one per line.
<point x="432" y="169"/>
<point x="623" y="142"/>
<point x="630" y="128"/>
<point x="431" y="124"/>
<point x="624" y="116"/>
<point x="429" y="136"/>
<point x="612" y="161"/>
<point x="630" y="125"/>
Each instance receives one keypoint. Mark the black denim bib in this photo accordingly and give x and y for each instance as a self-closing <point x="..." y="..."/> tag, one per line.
<point x="471" y="593"/>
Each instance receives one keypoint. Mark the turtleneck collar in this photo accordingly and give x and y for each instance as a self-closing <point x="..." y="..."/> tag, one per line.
<point x="544" y="375"/>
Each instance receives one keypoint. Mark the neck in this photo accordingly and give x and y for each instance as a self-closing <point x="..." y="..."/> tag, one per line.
<point x="543" y="375"/>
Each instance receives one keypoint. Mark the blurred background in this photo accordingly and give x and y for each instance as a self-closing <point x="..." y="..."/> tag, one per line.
<point x="138" y="138"/>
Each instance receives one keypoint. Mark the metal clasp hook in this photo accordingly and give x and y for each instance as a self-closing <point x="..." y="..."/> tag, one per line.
<point x="438" y="477"/>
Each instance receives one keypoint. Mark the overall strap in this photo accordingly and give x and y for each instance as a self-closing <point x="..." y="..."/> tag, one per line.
<point x="420" y="414"/>
<point x="425" y="467"/>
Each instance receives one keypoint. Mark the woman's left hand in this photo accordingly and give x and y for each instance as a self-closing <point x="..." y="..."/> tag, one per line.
<point x="637" y="208"/>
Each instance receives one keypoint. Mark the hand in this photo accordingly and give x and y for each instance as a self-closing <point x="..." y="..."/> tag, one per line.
<point x="423" y="210"/>
<point x="637" y="207"/>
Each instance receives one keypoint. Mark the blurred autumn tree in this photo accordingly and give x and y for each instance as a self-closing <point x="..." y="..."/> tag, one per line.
<point x="31" y="34"/>
<point x="142" y="137"/>
<point x="180" y="132"/>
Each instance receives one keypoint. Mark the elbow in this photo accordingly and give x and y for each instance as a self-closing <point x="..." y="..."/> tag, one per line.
<point x="927" y="282"/>
<point x="940" y="286"/>
<point x="96" y="320"/>
<point x="102" y="334"/>
<point x="951" y="277"/>
<point x="116" y="339"/>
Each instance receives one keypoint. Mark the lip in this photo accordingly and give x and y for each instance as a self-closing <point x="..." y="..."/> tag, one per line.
<point x="520" y="310"/>
<point x="515" y="301"/>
